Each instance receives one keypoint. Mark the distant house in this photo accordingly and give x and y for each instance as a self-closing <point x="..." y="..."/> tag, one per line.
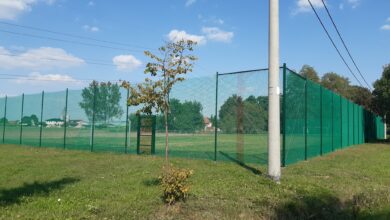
<point x="208" y="125"/>
<point x="77" y="123"/>
<point x="54" y="122"/>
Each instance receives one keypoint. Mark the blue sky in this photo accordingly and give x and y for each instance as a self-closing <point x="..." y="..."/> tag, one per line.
<point x="232" y="36"/>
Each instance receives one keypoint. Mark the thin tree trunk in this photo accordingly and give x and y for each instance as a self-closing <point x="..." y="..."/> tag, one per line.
<point x="166" y="136"/>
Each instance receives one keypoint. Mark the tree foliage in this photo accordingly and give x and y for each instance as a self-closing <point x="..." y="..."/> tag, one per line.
<point x="175" y="60"/>
<point x="243" y="116"/>
<point x="381" y="94"/>
<point x="30" y="120"/>
<point x="361" y="96"/>
<point x="105" y="97"/>
<point x="309" y="73"/>
<point x="336" y="83"/>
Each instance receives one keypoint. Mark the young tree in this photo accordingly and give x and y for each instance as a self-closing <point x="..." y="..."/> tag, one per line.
<point x="310" y="73"/>
<point x="381" y="94"/>
<point x="175" y="60"/>
<point x="105" y="97"/>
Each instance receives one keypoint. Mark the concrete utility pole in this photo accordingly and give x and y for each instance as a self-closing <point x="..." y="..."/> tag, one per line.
<point x="273" y="93"/>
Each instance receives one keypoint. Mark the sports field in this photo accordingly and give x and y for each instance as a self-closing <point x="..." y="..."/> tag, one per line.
<point x="196" y="146"/>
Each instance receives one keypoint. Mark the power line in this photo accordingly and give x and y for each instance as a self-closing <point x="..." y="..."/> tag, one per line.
<point x="74" y="36"/>
<point x="333" y="43"/>
<point x="345" y="46"/>
<point x="69" y="41"/>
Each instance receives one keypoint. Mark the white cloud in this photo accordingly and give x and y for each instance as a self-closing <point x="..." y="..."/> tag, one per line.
<point x="212" y="19"/>
<point x="304" y="5"/>
<point x="126" y="62"/>
<point x="91" y="28"/>
<point x="386" y="27"/>
<point x="38" y="78"/>
<point x="190" y="2"/>
<point x="354" y="3"/>
<point x="11" y="9"/>
<point x="176" y="35"/>
<point x="43" y="57"/>
<point x="216" y="34"/>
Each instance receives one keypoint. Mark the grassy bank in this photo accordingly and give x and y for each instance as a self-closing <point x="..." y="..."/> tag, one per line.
<point x="55" y="184"/>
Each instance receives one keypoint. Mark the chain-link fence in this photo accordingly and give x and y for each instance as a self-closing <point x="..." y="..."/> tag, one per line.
<point x="222" y="117"/>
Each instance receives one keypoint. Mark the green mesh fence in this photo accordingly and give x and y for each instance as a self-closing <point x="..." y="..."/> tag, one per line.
<point x="337" y="127"/>
<point x="313" y="95"/>
<point x="242" y="117"/>
<point x="222" y="117"/>
<point x="319" y="121"/>
<point x="294" y="113"/>
<point x="327" y="121"/>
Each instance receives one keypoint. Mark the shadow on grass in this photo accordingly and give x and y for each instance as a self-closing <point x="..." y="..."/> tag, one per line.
<point x="242" y="164"/>
<point x="15" y="195"/>
<point x="151" y="182"/>
<point x="327" y="206"/>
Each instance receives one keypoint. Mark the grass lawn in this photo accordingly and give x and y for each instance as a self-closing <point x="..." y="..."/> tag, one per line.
<point x="42" y="183"/>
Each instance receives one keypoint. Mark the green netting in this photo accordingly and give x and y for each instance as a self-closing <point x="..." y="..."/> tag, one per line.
<point x="242" y="117"/>
<point x="355" y="124"/>
<point x="327" y="121"/>
<point x="350" y="122"/>
<point x="53" y="118"/>
<point x="31" y="120"/>
<point x="191" y="120"/>
<point x="337" y="122"/>
<point x="344" y="122"/>
<point x="2" y="118"/>
<point x="79" y="126"/>
<point x="313" y="122"/>
<point x="110" y="125"/>
<point x="294" y="103"/>
<point x="12" y="128"/>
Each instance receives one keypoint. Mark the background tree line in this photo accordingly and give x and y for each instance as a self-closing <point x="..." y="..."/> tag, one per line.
<point x="377" y="101"/>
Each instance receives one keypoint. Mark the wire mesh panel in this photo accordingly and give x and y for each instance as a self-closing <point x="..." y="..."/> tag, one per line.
<point x="313" y="119"/>
<point x="31" y="120"/>
<point x="344" y="122"/>
<point x="54" y="117"/>
<point x="327" y="121"/>
<point x="242" y="117"/>
<point x="3" y="119"/>
<point x="191" y="121"/>
<point x="79" y="126"/>
<point x="12" y="128"/>
<point x="110" y="118"/>
<point x="351" y="123"/>
<point x="355" y="124"/>
<point x="294" y="118"/>
<point x="337" y="127"/>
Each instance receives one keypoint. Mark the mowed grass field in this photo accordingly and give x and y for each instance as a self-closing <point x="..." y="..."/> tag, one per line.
<point x="195" y="146"/>
<point x="44" y="183"/>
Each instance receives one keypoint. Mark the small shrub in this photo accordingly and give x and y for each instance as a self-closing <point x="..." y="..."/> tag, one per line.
<point x="174" y="182"/>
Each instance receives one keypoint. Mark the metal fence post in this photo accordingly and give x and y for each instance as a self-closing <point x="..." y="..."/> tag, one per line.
<point x="93" y="116"/>
<point x="65" y="116"/>
<point x="40" y="130"/>
<point x="306" y="81"/>
<point x="127" y="123"/>
<point x="284" y="115"/>
<point x="216" y="119"/>
<point x="5" y="117"/>
<point x="341" y="122"/>
<point x="321" y="121"/>
<point x="21" y="123"/>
